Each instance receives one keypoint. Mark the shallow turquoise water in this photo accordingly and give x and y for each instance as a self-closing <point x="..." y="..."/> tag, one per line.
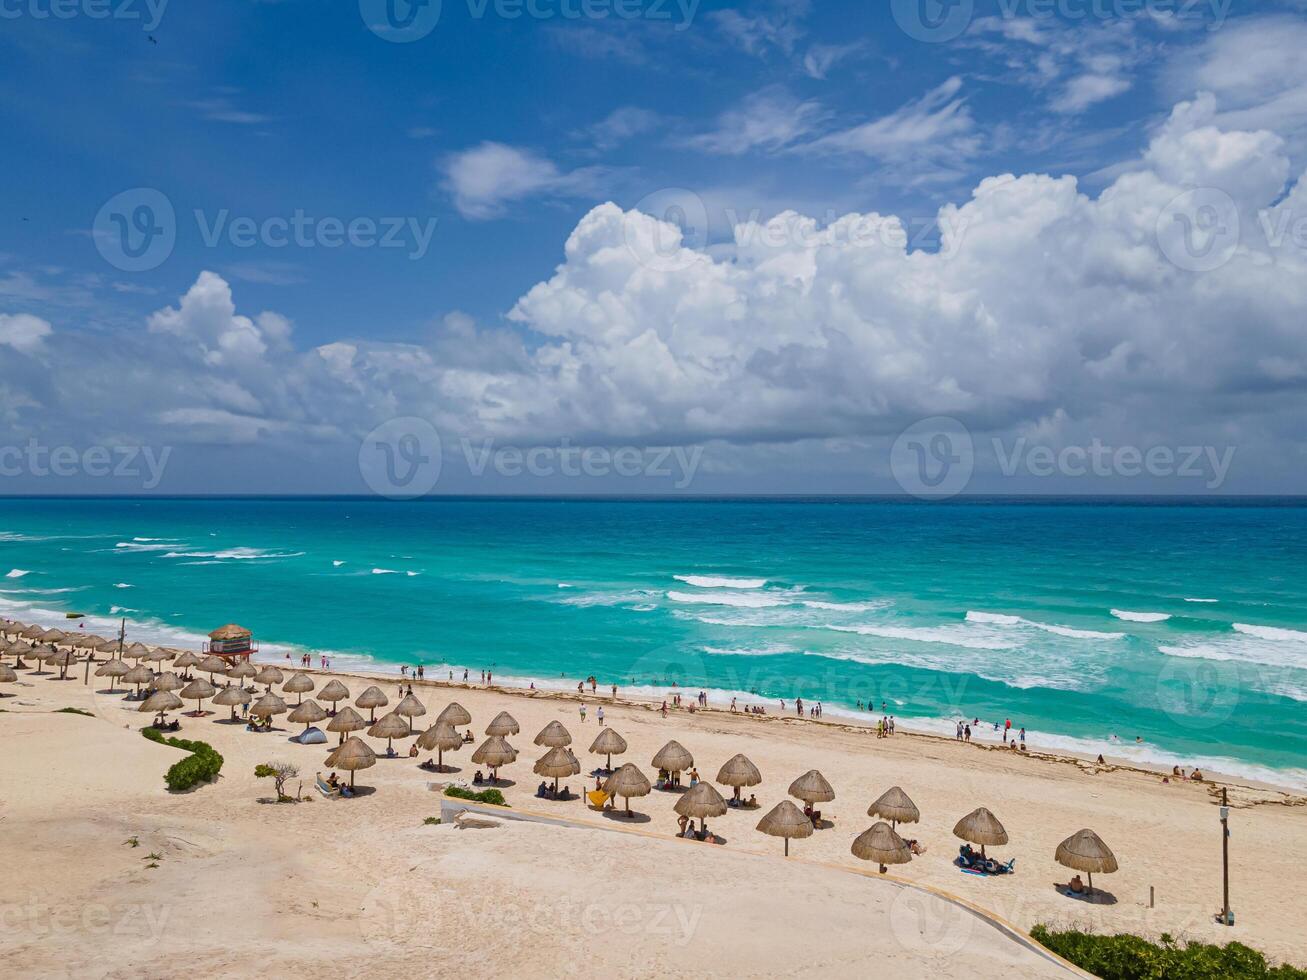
<point x="1074" y="620"/>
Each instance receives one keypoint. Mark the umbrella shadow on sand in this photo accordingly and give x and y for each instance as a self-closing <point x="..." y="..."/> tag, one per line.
<point x="1096" y="897"/>
<point x="621" y="817"/>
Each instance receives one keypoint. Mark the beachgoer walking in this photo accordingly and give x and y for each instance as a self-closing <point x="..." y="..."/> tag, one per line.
<point x="600" y="714"/>
<point x="582" y="712"/>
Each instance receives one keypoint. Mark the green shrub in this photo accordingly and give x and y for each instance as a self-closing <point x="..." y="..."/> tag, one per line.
<point x="492" y="796"/>
<point x="201" y="766"/>
<point x="1125" y="957"/>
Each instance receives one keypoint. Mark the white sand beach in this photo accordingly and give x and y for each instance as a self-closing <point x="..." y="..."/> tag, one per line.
<point x="109" y="874"/>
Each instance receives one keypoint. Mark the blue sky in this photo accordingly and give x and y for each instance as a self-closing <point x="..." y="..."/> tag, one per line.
<point x="484" y="144"/>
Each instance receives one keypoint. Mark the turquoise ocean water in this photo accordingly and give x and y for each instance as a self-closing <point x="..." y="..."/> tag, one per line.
<point x="1184" y="625"/>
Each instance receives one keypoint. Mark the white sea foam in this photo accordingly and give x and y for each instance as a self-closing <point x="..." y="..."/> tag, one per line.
<point x="142" y="546"/>
<point x="720" y="582"/>
<point x="1273" y="633"/>
<point x="958" y="636"/>
<point x="621" y="597"/>
<point x="235" y="554"/>
<point x="846" y="606"/>
<point x="766" y="650"/>
<point x="743" y="600"/>
<point x="123" y="585"/>
<point x="1001" y="619"/>
<point x="337" y="564"/>
<point x="18" y="573"/>
<point x="33" y="591"/>
<point x="1140" y="617"/>
<point x="117" y="610"/>
<point x="1202" y="600"/>
<point x="384" y="571"/>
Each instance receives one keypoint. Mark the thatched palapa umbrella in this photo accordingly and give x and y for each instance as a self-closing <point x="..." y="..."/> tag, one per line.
<point x="242" y="671"/>
<point x="410" y="707"/>
<point x="372" y="699"/>
<point x="812" y="788"/>
<point x="454" y="714"/>
<point x="346" y="720"/>
<point x="7" y="674"/>
<point x="267" y="706"/>
<point x="333" y="691"/>
<point x="18" y="649"/>
<point x="504" y="724"/>
<point x="627" y="782"/>
<point x="785" y="820"/>
<point x="167" y="681"/>
<point x="136" y="651"/>
<point x="186" y="660"/>
<point x="63" y="659"/>
<point x="390" y="727"/>
<point x="161" y="702"/>
<point x="981" y="827"/>
<point x="307" y="713"/>
<point x="494" y="752"/>
<point x="112" y="669"/>
<point x="156" y="655"/>
<point x="1085" y="851"/>
<point x="231" y="697"/>
<point x="53" y="636"/>
<point x="703" y="801"/>
<point x="32" y="633"/>
<point x="608" y="743"/>
<point x="138" y="675"/>
<point x="299" y="684"/>
<point x="269" y="675"/>
<point x="881" y="844"/>
<point x="895" y="806"/>
<point x="556" y="764"/>
<point x="440" y="738"/>
<point x="212" y="665"/>
<point x="674" y="757"/>
<point x="554" y="735"/>
<point x="197" y="690"/>
<point x="739" y="772"/>
<point x="353" y="755"/>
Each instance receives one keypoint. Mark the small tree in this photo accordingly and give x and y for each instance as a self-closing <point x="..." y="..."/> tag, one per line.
<point x="279" y="772"/>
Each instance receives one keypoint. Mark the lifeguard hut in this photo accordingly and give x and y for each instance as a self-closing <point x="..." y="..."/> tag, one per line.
<point x="231" y="642"/>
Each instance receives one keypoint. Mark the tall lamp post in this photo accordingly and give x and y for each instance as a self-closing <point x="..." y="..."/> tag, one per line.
<point x="1227" y="917"/>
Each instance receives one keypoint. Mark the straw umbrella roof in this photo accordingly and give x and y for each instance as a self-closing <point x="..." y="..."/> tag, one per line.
<point x="306" y="713"/>
<point x="156" y="655"/>
<point x="389" y="726"/>
<point x="739" y="771"/>
<point x="608" y="742"/>
<point x="347" y="720"/>
<point x="17" y="648"/>
<point x="674" y="757"/>
<point x="981" y="827"/>
<point x="298" y="684"/>
<point x="440" y="736"/>
<point x="269" y="675"/>
<point x="333" y="691"/>
<point x="52" y="635"/>
<point x="410" y="707"/>
<point x="454" y="714"/>
<point x="60" y="658"/>
<point x="354" y="754"/>
<point x="494" y="752"/>
<point x="7" y="674"/>
<point x="14" y="628"/>
<point x="1085" y="851"/>
<point x="197" y="690"/>
<point x="894" y="805"/>
<point x="812" y="787"/>
<point x="212" y="665"/>
<point x="187" y="659"/>
<point x="785" y="820"/>
<point x="628" y="782"/>
<point x="268" y="705"/>
<point x="109" y="646"/>
<point x="229" y="697"/>
<point x="554" y="735"/>
<point x="112" y="668"/>
<point x="136" y="650"/>
<point x="504" y="724"/>
<point x="32" y="632"/>
<point x="241" y="670"/>
<point x="161" y="701"/>
<point x="87" y="641"/>
<point x="881" y="844"/>
<point x="373" y="697"/>
<point x="140" y="674"/>
<point x="701" y="802"/>
<point x="555" y="764"/>
<point x="168" y="681"/>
